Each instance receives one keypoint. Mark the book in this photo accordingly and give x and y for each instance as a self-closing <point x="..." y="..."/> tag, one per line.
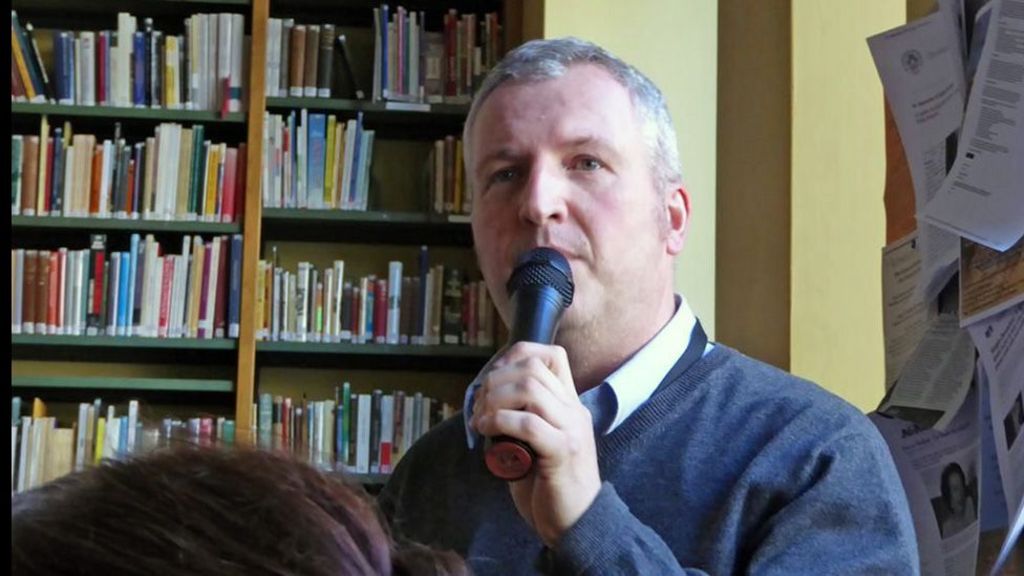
<point x="311" y="61"/>
<point x="325" y="69"/>
<point x="297" y="61"/>
<point x="356" y="89"/>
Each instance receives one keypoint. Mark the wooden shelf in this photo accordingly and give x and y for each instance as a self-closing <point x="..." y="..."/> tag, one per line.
<point x="116" y="224"/>
<point x="287" y="224"/>
<point x="123" y="342"/>
<point x="116" y="113"/>
<point x="416" y="112"/>
<point x="115" y="349"/>
<point x="387" y="119"/>
<point x="373" y="356"/>
<point x="141" y="384"/>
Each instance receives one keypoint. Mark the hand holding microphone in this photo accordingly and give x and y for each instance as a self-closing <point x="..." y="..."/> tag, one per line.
<point x="540" y="436"/>
<point x="540" y="288"/>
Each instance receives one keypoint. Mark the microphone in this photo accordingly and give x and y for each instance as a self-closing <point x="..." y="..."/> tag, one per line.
<point x="540" y="288"/>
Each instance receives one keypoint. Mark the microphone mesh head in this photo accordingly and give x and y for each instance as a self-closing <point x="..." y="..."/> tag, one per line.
<point x="543" y="267"/>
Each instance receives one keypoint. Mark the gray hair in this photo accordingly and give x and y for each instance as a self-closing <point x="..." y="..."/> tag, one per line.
<point x="540" y="60"/>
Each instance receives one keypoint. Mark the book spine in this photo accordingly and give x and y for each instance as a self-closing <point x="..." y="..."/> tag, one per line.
<point x="65" y="262"/>
<point x="297" y="61"/>
<point x="37" y="59"/>
<point x="387" y="427"/>
<point x="17" y="146"/>
<point x="56" y="187"/>
<point x="42" y="289"/>
<point x="236" y="77"/>
<point x="31" y="77"/>
<point x="311" y="61"/>
<point x="325" y="72"/>
<point x="29" y="175"/>
<point x="234" y="306"/>
<point x="113" y="287"/>
<point x="315" y="160"/>
<point x="21" y="65"/>
<point x="222" y="291"/>
<point x="394" y="300"/>
<point x="380" y="310"/>
<point x="97" y="260"/>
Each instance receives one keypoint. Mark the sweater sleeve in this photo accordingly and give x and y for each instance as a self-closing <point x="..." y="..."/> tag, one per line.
<point x="846" y="513"/>
<point x="842" y="511"/>
<point x="590" y="547"/>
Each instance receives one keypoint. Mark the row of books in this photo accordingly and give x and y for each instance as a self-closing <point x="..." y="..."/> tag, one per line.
<point x="41" y="451"/>
<point x="301" y="61"/>
<point x="176" y="174"/>
<point x="202" y="69"/>
<point x="440" y="305"/>
<point x="313" y="160"/>
<point x="138" y="292"/>
<point x="411" y="64"/>
<point x="449" y="190"/>
<point x="360" y="433"/>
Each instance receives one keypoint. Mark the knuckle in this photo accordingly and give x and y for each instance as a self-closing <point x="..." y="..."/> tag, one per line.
<point x="531" y="427"/>
<point x="517" y="349"/>
<point x="536" y="365"/>
<point x="528" y="386"/>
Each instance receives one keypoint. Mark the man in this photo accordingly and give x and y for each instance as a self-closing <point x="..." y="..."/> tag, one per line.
<point x="656" y="452"/>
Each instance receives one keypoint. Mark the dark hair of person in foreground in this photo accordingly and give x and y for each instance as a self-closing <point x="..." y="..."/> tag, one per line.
<point x="191" y="510"/>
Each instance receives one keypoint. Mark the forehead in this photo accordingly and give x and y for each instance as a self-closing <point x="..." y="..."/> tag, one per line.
<point x="585" y="100"/>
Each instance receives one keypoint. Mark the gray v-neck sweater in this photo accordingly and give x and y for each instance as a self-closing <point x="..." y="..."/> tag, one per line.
<point x="731" y="467"/>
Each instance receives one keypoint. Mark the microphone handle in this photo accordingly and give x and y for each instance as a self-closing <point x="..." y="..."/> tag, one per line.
<point x="537" y="312"/>
<point x="508" y="458"/>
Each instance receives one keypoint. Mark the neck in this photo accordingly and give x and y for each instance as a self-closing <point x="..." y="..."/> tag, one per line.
<point x="599" y="348"/>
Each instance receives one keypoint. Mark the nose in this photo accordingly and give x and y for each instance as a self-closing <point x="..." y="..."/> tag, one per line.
<point x="543" y="199"/>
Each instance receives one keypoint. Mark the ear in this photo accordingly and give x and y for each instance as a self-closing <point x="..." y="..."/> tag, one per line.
<point x="677" y="214"/>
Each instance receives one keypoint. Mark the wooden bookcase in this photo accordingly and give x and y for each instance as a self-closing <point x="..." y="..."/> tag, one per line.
<point x="239" y="361"/>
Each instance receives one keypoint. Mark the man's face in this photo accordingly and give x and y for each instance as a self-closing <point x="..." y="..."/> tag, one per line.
<point x="563" y="163"/>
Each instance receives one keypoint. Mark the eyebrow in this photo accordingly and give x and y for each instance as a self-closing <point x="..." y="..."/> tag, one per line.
<point x="507" y="154"/>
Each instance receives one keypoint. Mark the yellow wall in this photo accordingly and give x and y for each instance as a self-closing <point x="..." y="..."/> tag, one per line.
<point x="675" y="44"/>
<point x="752" y="248"/>
<point x="838" y="225"/>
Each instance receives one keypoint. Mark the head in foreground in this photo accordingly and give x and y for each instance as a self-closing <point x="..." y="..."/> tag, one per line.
<point x="209" y="511"/>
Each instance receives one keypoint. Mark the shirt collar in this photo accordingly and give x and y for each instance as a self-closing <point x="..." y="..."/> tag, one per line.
<point x="637" y="379"/>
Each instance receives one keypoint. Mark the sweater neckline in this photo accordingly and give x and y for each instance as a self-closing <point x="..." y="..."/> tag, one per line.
<point x="676" y="389"/>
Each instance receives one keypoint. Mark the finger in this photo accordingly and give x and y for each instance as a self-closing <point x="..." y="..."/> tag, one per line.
<point x="553" y="358"/>
<point x="546" y="440"/>
<point x="525" y="391"/>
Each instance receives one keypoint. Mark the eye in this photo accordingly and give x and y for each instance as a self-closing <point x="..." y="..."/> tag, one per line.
<point x="504" y="175"/>
<point x="587" y="164"/>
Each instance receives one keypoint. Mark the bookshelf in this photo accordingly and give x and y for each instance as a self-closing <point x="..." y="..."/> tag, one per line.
<point x="80" y="224"/>
<point x="32" y="109"/>
<point x="191" y="385"/>
<point x="397" y="218"/>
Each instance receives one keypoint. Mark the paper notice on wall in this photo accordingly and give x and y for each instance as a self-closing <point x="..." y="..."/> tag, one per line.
<point x="990" y="281"/>
<point x="905" y="314"/>
<point x="1000" y="342"/>
<point x="940" y="475"/>
<point x="921" y="68"/>
<point x="936" y="378"/>
<point x="983" y="197"/>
